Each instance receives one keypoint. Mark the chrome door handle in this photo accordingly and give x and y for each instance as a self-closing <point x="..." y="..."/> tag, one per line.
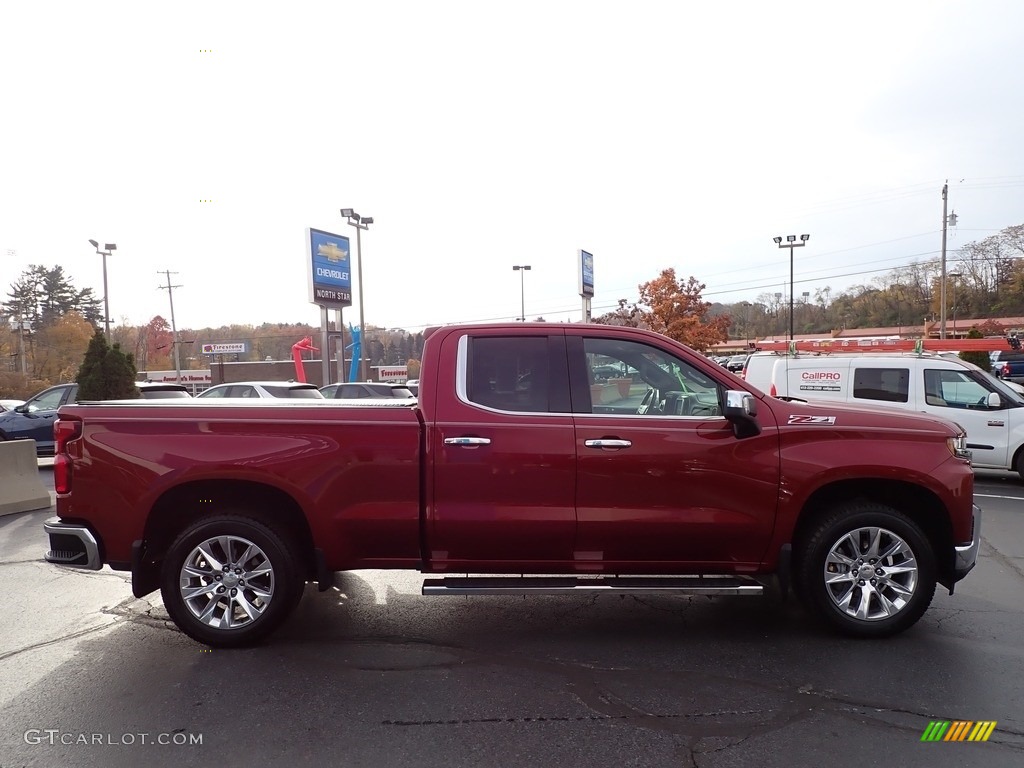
<point x="607" y="443"/>
<point x="467" y="441"/>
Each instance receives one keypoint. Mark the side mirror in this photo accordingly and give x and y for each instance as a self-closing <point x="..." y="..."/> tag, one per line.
<point x="741" y="410"/>
<point x="21" y="408"/>
<point x="994" y="400"/>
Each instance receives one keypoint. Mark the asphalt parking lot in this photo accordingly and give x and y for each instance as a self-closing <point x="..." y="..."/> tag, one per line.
<point x="371" y="673"/>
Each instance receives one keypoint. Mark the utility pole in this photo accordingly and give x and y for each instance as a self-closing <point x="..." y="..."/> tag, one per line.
<point x="174" y="328"/>
<point x="942" y="280"/>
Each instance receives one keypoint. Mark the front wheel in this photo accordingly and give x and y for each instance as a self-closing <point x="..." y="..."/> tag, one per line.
<point x="230" y="580"/>
<point x="868" y="570"/>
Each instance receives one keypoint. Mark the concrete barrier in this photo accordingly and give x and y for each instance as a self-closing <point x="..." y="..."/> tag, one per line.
<point x="21" y="489"/>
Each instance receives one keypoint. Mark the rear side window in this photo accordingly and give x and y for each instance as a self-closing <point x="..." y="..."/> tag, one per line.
<point x="294" y="392"/>
<point x="886" y="384"/>
<point x="509" y="373"/>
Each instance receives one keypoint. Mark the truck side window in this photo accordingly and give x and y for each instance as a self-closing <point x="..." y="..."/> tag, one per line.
<point x="886" y="384"/>
<point x="509" y="373"/>
<point x="636" y="379"/>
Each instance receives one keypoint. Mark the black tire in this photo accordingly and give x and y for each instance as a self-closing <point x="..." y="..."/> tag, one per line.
<point x="1019" y="465"/>
<point x="842" y="583"/>
<point x="236" y="606"/>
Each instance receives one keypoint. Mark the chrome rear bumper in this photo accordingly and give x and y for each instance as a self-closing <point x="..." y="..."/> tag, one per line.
<point x="72" y="545"/>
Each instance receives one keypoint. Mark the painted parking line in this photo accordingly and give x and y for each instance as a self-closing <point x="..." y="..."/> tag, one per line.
<point x="995" y="496"/>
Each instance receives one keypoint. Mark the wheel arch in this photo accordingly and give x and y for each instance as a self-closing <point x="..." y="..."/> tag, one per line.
<point x="915" y="501"/>
<point x="185" y="504"/>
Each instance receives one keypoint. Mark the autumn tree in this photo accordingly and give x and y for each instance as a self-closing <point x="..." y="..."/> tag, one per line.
<point x="676" y="309"/>
<point x="58" y="347"/>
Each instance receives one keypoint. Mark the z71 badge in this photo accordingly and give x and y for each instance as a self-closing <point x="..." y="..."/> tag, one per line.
<point x="811" y="420"/>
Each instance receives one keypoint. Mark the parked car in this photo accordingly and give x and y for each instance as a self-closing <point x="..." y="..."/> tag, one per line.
<point x="736" y="363"/>
<point x="33" y="419"/>
<point x="259" y="389"/>
<point x="1008" y="365"/>
<point x="413" y="385"/>
<point x="162" y="390"/>
<point x="364" y="389"/>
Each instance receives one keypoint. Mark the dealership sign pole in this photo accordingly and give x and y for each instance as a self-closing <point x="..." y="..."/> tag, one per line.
<point x="586" y="267"/>
<point x="330" y="283"/>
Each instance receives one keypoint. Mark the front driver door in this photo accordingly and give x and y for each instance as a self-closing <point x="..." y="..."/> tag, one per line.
<point x="664" y="484"/>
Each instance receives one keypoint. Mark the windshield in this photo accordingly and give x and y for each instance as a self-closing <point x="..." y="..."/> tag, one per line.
<point x="989" y="381"/>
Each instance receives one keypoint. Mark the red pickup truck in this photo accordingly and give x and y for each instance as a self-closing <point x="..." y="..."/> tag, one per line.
<point x="543" y="458"/>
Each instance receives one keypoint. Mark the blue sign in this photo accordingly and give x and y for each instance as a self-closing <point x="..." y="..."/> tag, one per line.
<point x="330" y="269"/>
<point x="586" y="274"/>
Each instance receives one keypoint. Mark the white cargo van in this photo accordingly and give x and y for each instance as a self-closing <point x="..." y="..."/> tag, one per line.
<point x="758" y="369"/>
<point x="991" y="412"/>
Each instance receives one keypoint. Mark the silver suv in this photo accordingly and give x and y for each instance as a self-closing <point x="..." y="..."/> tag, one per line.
<point x="257" y="389"/>
<point x="363" y="389"/>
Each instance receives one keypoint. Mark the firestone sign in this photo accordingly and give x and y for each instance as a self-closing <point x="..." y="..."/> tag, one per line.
<point x="392" y="372"/>
<point x="229" y="348"/>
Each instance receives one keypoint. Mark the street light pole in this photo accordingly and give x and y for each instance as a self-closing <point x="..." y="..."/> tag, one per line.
<point x="106" y="296"/>
<point x="954" y="276"/>
<point x="791" y="243"/>
<point x="522" y="269"/>
<point x="360" y="223"/>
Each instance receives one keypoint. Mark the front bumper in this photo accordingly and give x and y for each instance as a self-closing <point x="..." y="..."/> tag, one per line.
<point x="72" y="545"/>
<point x="966" y="555"/>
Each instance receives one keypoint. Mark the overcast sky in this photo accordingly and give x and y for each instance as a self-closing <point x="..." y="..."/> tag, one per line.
<point x="481" y="135"/>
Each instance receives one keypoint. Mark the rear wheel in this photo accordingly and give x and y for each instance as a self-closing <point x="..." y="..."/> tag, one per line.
<point x="868" y="570"/>
<point x="230" y="580"/>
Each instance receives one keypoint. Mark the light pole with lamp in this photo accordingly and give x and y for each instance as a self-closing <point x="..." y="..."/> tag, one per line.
<point x="522" y="269"/>
<point x="106" y="299"/>
<point x="360" y="223"/>
<point x="791" y="243"/>
<point x="955" y="277"/>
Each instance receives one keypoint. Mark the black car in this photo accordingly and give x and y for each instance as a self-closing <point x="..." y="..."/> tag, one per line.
<point x="34" y="419"/>
<point x="736" y="363"/>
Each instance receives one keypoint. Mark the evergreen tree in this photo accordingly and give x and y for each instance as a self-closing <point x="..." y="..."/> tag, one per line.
<point x="90" y="375"/>
<point x="107" y="373"/>
<point x="980" y="359"/>
<point x="119" y="375"/>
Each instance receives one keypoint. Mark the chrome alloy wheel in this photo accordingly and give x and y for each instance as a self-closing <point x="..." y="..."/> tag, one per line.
<point x="227" y="582"/>
<point x="871" y="574"/>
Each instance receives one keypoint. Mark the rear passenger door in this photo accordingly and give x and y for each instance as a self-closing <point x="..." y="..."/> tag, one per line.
<point x="503" y="455"/>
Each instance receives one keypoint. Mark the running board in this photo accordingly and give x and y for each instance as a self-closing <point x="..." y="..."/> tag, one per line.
<point x="625" y="585"/>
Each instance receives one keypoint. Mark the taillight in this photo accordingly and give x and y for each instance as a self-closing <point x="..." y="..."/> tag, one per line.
<point x="1005" y="370"/>
<point x="64" y="431"/>
<point x="772" y="391"/>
